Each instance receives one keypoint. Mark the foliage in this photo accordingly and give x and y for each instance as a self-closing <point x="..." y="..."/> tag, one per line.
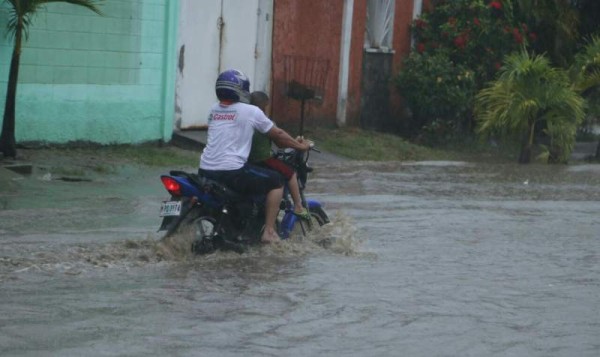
<point x="585" y="74"/>
<point x="530" y="94"/>
<point x="458" y="39"/>
<point x="555" y="23"/>
<point x="589" y="13"/>
<point x="442" y="89"/>
<point x="22" y="11"/>
<point x="585" y="70"/>
<point x="474" y="33"/>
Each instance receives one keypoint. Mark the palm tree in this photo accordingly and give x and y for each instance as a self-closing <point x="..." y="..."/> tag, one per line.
<point x="530" y="92"/>
<point x="585" y="70"/>
<point x="22" y="12"/>
<point x="585" y="75"/>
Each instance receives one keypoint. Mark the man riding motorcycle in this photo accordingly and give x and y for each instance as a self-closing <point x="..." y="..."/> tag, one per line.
<point x="231" y="125"/>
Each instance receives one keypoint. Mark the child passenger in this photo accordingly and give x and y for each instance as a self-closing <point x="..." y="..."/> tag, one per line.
<point x="261" y="154"/>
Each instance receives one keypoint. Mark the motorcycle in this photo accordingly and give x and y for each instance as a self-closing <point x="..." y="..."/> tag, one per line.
<point x="223" y="219"/>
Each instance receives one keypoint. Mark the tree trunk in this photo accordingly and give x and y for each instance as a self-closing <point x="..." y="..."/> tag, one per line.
<point x="8" y="144"/>
<point x="525" y="155"/>
<point x="554" y="156"/>
<point x="598" y="151"/>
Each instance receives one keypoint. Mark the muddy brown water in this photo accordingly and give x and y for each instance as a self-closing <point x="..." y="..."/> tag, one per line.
<point x="430" y="259"/>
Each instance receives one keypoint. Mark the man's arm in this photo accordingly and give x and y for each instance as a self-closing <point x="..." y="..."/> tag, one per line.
<point x="284" y="140"/>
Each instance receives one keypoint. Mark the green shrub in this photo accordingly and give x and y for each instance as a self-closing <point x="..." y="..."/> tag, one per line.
<point x="459" y="46"/>
<point x="585" y="75"/>
<point x="473" y="33"/>
<point x="438" y="91"/>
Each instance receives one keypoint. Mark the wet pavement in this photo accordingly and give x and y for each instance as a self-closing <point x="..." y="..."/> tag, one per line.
<point x="430" y="259"/>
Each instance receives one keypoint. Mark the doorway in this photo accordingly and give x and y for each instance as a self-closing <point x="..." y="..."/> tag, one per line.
<point x="215" y="35"/>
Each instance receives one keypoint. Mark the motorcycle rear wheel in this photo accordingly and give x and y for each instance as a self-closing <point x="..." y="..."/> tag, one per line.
<point x="207" y="239"/>
<point x="204" y="235"/>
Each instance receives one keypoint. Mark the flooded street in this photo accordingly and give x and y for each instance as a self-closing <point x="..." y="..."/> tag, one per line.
<point x="430" y="259"/>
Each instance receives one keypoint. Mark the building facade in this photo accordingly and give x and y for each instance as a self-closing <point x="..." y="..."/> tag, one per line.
<point x="147" y="67"/>
<point x="105" y="79"/>
<point x="354" y="38"/>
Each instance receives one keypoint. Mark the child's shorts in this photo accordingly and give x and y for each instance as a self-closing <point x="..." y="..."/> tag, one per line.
<point x="284" y="169"/>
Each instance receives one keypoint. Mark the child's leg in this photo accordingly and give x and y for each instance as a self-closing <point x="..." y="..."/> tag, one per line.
<point x="289" y="173"/>
<point x="271" y="210"/>
<point x="295" y="192"/>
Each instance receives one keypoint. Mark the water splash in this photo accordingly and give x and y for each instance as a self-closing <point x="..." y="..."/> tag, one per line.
<point x="76" y="259"/>
<point x="342" y="235"/>
<point x="177" y="246"/>
<point x="337" y="237"/>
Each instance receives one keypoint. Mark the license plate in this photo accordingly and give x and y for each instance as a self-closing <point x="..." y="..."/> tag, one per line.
<point x="170" y="208"/>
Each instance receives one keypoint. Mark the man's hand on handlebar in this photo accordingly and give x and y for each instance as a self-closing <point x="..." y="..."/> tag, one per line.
<point x="308" y="144"/>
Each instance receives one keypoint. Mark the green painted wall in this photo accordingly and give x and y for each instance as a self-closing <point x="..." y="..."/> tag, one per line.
<point x="84" y="77"/>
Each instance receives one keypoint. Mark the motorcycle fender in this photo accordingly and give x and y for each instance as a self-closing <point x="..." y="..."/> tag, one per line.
<point x="286" y="225"/>
<point x="289" y="220"/>
<point x="316" y="207"/>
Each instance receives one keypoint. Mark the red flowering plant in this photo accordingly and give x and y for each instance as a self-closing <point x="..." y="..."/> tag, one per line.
<point x="471" y="34"/>
<point x="475" y="33"/>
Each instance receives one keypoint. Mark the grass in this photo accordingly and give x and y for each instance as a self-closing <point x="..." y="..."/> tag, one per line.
<point x="352" y="143"/>
<point x="152" y="155"/>
<point x="360" y="144"/>
<point x="366" y="145"/>
<point x="82" y="160"/>
<point x="69" y="171"/>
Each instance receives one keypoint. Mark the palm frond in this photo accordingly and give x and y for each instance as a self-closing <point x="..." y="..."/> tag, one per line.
<point x="589" y="81"/>
<point x="22" y="11"/>
<point x="92" y="5"/>
<point x="585" y="71"/>
<point x="528" y="90"/>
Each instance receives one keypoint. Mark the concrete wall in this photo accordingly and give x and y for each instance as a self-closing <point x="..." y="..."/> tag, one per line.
<point x="105" y="79"/>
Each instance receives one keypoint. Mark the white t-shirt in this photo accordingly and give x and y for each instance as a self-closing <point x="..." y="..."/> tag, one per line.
<point x="230" y="130"/>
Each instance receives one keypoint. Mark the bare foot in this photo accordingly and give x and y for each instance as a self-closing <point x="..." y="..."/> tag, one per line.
<point x="270" y="240"/>
<point x="269" y="237"/>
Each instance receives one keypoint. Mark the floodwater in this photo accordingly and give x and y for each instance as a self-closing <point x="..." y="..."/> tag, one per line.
<point x="430" y="259"/>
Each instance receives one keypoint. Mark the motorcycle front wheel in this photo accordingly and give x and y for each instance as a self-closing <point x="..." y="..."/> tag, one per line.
<point x="302" y="228"/>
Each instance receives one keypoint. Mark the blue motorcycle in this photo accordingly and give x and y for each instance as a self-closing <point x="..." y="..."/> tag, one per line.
<point x="223" y="219"/>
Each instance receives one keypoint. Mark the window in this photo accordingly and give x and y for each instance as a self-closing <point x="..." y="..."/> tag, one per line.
<point x="380" y="25"/>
